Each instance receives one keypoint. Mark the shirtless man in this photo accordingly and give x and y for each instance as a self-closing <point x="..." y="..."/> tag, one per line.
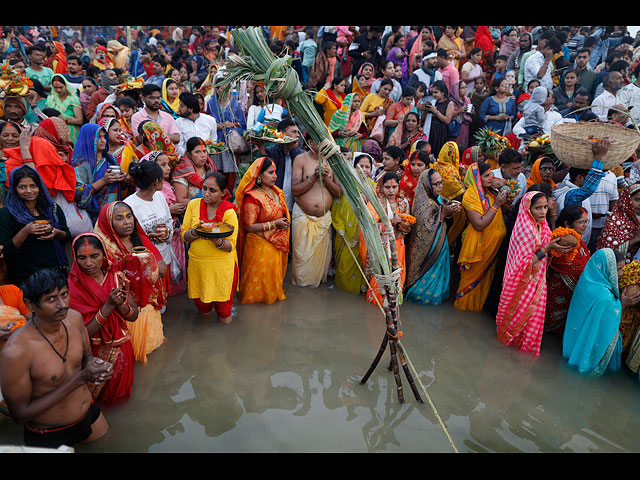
<point x="45" y="367"/>
<point x="311" y="217"/>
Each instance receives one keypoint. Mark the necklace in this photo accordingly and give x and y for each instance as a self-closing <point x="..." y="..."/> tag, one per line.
<point x="64" y="358"/>
<point x="273" y="198"/>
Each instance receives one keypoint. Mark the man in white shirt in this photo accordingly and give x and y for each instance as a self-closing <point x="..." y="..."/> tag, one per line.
<point x="192" y="123"/>
<point x="152" y="97"/>
<point x="510" y="161"/>
<point x="538" y="65"/>
<point x="629" y="96"/>
<point x="612" y="84"/>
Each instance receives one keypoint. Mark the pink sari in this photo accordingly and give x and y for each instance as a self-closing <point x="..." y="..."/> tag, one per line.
<point x="520" y="319"/>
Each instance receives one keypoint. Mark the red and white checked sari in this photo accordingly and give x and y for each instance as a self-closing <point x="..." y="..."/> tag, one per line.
<point x="520" y="319"/>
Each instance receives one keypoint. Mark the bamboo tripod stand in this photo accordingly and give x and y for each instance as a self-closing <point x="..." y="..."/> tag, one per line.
<point x="392" y="335"/>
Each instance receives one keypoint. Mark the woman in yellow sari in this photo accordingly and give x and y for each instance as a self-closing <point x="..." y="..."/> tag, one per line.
<point x="263" y="234"/>
<point x="481" y="239"/>
<point x="452" y="43"/>
<point x="375" y="105"/>
<point x="448" y="166"/>
<point x="349" y="265"/>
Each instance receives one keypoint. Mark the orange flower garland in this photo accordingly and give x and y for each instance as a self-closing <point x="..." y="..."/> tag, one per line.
<point x="407" y="218"/>
<point x="563" y="232"/>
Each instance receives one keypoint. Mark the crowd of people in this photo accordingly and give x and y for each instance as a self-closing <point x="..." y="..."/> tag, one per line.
<point x="129" y="175"/>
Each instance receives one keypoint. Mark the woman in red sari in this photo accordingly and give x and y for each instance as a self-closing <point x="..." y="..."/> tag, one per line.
<point x="417" y="163"/>
<point x="100" y="292"/>
<point x="621" y="231"/>
<point x="563" y="275"/>
<point x="136" y="255"/>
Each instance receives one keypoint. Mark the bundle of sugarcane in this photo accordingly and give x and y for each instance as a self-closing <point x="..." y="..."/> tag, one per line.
<point x="256" y="63"/>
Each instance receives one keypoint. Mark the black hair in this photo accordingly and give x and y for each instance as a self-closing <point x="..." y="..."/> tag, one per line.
<point x="570" y="214"/>
<point x="145" y="173"/>
<point x="537" y="197"/>
<point x="28" y="172"/>
<point x="126" y="101"/>
<point x="193" y="142"/>
<point x="266" y="164"/>
<point x="149" y="88"/>
<point x="386" y="81"/>
<point x="441" y="86"/>
<point x="42" y="282"/>
<point x="136" y="241"/>
<point x="90" y="239"/>
<point x="356" y="160"/>
<point x="285" y="123"/>
<point x="575" y="172"/>
<point x="408" y="91"/>
<point x="618" y="66"/>
<point x="421" y="155"/>
<point x="483" y="167"/>
<point x="395" y="152"/>
<point x="441" y="52"/>
<point x="190" y="101"/>
<point x="390" y="176"/>
<point x="220" y="178"/>
<point x="541" y="187"/>
<point x="7" y="123"/>
<point x="475" y="50"/>
<point x="509" y="156"/>
<point x="620" y="257"/>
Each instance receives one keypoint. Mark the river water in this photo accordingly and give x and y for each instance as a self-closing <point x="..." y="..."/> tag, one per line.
<point x="286" y="378"/>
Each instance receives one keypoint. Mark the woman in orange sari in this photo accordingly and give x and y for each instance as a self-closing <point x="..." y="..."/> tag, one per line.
<point x="542" y="171"/>
<point x="417" y="163"/>
<point x="388" y="191"/>
<point x="263" y="234"/>
<point x="481" y="239"/>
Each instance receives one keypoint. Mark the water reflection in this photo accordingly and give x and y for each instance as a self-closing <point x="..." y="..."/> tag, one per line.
<point x="286" y="378"/>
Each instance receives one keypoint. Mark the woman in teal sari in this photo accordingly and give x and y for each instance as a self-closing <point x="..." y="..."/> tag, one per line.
<point x="592" y="340"/>
<point x="427" y="257"/>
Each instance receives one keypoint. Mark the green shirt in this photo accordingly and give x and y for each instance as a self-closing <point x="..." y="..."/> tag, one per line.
<point x="44" y="76"/>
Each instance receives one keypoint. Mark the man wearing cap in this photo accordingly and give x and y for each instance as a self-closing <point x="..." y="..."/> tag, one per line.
<point x="15" y="109"/>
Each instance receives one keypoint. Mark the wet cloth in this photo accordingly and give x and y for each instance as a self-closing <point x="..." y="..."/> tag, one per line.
<point x="311" y="247"/>
<point x="427" y="250"/>
<point x="592" y="342"/>
<point x="263" y="258"/>
<point x="346" y="250"/>
<point x="210" y="270"/>
<point x="562" y="277"/>
<point x="621" y="225"/>
<point x="448" y="166"/>
<point x="147" y="287"/>
<point x="112" y="342"/>
<point x="479" y="248"/>
<point x="521" y="311"/>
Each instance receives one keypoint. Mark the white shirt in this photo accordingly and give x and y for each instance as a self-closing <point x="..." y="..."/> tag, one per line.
<point x="522" y="180"/>
<point x="534" y="63"/>
<point x="149" y="215"/>
<point x="629" y="96"/>
<point x="603" y="101"/>
<point x="606" y="192"/>
<point x="204" y="126"/>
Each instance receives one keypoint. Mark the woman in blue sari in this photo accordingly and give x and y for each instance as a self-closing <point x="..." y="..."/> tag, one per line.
<point x="98" y="174"/>
<point x="427" y="257"/>
<point x="592" y="340"/>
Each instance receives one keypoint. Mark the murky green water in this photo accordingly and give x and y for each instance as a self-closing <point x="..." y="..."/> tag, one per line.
<point x="285" y="378"/>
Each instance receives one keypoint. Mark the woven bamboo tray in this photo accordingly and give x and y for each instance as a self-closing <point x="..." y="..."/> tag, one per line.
<point x="572" y="146"/>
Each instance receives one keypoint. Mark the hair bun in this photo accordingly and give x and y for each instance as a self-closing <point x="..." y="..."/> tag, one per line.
<point x="135" y="169"/>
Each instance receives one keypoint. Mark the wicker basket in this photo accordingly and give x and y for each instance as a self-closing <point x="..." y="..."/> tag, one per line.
<point x="571" y="144"/>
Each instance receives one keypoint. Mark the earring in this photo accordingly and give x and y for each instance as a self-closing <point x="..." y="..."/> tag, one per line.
<point x="258" y="181"/>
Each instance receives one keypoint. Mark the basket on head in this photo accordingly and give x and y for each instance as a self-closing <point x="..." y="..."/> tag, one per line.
<point x="572" y="143"/>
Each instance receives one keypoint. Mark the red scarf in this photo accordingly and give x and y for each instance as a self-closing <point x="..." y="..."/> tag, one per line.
<point x="220" y="211"/>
